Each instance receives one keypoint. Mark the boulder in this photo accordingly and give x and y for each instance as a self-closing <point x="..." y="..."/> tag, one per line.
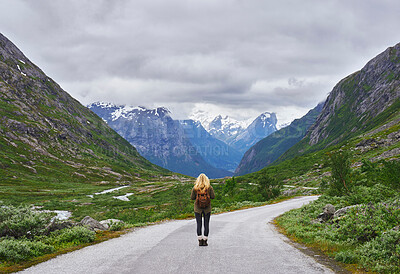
<point x="343" y="211"/>
<point x="329" y="211"/>
<point x="92" y="224"/>
<point x="57" y="225"/>
<point x="107" y="223"/>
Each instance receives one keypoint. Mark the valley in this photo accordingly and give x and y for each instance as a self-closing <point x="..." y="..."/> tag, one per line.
<point x="137" y="165"/>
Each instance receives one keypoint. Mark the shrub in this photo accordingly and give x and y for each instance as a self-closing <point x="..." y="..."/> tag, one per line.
<point x="269" y="187"/>
<point x="346" y="256"/>
<point x="390" y="174"/>
<point x="366" y="222"/>
<point x="22" y="221"/>
<point x="341" y="171"/>
<point x="366" y="194"/>
<point x="76" y="235"/>
<point x="14" y="250"/>
<point x="116" y="226"/>
<point x="230" y="184"/>
<point x="383" y="253"/>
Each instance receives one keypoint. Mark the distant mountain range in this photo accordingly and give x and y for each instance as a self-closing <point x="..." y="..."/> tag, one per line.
<point x="185" y="146"/>
<point x="238" y="135"/>
<point x="181" y="146"/>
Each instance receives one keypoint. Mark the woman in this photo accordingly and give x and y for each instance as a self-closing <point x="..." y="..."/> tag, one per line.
<point x="202" y="192"/>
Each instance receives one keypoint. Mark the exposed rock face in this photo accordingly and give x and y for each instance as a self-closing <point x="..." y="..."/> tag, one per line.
<point x="159" y="138"/>
<point x="362" y="95"/>
<point x="44" y="127"/>
<point x="356" y="104"/>
<point x="92" y="224"/>
<point x="271" y="147"/>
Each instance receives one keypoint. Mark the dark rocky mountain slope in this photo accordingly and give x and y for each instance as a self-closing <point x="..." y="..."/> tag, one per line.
<point x="49" y="137"/>
<point x="358" y="103"/>
<point x="270" y="148"/>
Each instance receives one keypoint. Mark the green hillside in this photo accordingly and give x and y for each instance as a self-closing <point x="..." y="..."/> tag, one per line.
<point x="52" y="145"/>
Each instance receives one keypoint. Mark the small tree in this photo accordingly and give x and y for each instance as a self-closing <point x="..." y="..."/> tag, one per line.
<point x="230" y="184"/>
<point x="269" y="187"/>
<point x="341" y="173"/>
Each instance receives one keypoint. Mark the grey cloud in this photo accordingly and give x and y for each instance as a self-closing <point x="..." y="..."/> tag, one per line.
<point x="170" y="52"/>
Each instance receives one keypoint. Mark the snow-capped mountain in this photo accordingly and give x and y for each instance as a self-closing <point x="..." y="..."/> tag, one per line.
<point x="261" y="127"/>
<point x="239" y="134"/>
<point x="214" y="151"/>
<point x="157" y="137"/>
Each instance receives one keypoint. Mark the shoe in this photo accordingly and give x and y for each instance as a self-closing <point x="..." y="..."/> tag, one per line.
<point x="201" y="241"/>
<point x="205" y="238"/>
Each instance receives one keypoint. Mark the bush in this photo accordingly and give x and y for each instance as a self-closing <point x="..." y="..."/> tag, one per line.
<point x="230" y="184"/>
<point x="341" y="172"/>
<point x="346" y="256"/>
<point x="383" y="253"/>
<point x="22" y="221"/>
<point x="116" y="226"/>
<point x="366" y="194"/>
<point x="269" y="187"/>
<point x="76" y="235"/>
<point x="14" y="250"/>
<point x="366" y="222"/>
<point x="390" y="174"/>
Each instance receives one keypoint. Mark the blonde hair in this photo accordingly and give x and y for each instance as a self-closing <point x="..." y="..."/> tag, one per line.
<point x="202" y="183"/>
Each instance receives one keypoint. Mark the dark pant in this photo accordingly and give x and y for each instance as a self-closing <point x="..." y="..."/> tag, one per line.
<point x="206" y="223"/>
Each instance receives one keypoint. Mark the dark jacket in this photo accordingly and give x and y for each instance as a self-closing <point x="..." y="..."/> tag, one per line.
<point x="197" y="209"/>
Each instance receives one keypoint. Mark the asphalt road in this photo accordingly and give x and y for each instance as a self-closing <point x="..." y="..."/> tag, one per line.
<point x="239" y="242"/>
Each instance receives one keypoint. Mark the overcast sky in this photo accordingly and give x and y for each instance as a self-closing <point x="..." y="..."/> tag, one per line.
<point x="239" y="58"/>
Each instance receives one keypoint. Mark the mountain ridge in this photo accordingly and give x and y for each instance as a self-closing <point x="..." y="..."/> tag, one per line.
<point x="355" y="104"/>
<point x="44" y="128"/>
<point x="158" y="137"/>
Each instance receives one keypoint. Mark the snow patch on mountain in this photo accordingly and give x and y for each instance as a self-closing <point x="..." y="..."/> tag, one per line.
<point x="129" y="112"/>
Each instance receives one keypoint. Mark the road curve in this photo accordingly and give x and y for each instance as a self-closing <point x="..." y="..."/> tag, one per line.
<point x="239" y="242"/>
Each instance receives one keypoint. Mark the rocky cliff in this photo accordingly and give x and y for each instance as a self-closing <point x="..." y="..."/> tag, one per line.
<point x="356" y="104"/>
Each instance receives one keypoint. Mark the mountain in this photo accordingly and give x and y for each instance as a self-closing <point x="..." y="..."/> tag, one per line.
<point x="271" y="147"/>
<point x="261" y="127"/>
<point x="49" y="137"/>
<point x="157" y="137"/>
<point x="238" y="135"/>
<point x="214" y="151"/>
<point x="225" y="128"/>
<point x="356" y="104"/>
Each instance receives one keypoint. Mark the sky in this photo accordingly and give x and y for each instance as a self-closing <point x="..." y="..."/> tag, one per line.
<point x="231" y="57"/>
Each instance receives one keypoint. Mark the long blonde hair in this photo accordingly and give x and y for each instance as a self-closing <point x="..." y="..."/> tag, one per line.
<point x="202" y="183"/>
